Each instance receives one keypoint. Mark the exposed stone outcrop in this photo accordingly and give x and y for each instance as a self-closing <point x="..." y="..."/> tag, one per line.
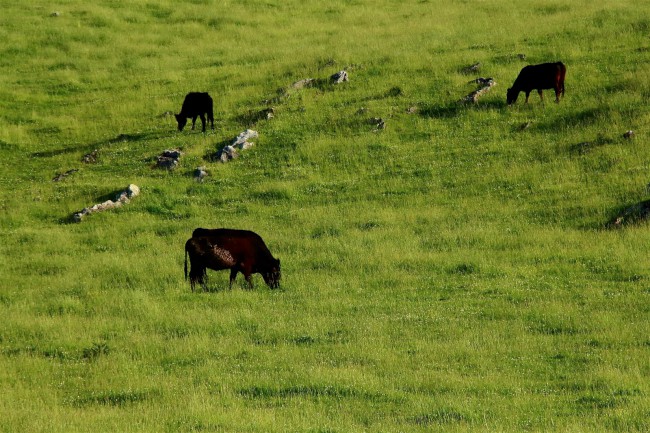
<point x="200" y="173"/>
<point x="241" y="141"/>
<point x="339" y="77"/>
<point x="485" y="83"/>
<point x="378" y="122"/>
<point x="230" y="151"/>
<point x="472" y="69"/>
<point x="121" y="198"/>
<point x="168" y="159"/>
<point x="227" y="153"/>
<point x="307" y="82"/>
<point x="90" y="158"/>
<point x="61" y="176"/>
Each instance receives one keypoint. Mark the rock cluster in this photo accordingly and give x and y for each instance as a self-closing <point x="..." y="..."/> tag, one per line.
<point x="485" y="83"/>
<point x="472" y="69"/>
<point x="307" y="82"/>
<point x="339" y="77"/>
<point x="61" y="176"/>
<point x="229" y="152"/>
<point x="121" y="198"/>
<point x="91" y="158"/>
<point x="200" y="173"/>
<point x="378" y="122"/>
<point x="168" y="159"/>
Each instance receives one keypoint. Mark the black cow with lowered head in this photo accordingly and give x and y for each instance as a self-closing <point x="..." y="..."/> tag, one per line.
<point x="195" y="105"/>
<point x="238" y="250"/>
<point x="538" y="77"/>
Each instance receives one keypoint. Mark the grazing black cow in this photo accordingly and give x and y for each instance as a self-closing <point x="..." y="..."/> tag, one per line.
<point x="238" y="250"/>
<point x="538" y="77"/>
<point x="195" y="105"/>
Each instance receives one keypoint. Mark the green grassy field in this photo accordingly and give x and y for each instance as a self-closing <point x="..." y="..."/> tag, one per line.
<point x="451" y="272"/>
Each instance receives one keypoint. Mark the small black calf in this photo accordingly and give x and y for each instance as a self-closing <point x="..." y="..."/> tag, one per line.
<point x="195" y="105"/>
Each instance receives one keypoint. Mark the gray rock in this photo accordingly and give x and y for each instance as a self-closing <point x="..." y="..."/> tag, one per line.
<point x="91" y="158"/>
<point x="121" y="198"/>
<point x="166" y="163"/>
<point x="378" y="122"/>
<point x="168" y="159"/>
<point x="173" y="153"/>
<point x="227" y="153"/>
<point x="307" y="82"/>
<point x="472" y="69"/>
<point x="241" y="141"/>
<point x="339" y="77"/>
<point x="200" y="173"/>
<point x="61" y="176"/>
<point x="485" y="83"/>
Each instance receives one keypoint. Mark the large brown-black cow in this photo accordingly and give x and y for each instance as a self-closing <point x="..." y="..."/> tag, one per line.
<point x="538" y="77"/>
<point x="238" y="250"/>
<point x="195" y="105"/>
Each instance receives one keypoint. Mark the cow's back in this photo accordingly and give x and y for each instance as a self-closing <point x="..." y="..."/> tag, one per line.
<point x="542" y="76"/>
<point x="242" y="244"/>
<point x="197" y="102"/>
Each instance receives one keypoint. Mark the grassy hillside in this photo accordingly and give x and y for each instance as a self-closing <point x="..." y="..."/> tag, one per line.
<point x="451" y="272"/>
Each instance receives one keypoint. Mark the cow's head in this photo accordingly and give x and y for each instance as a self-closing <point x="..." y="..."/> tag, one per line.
<point x="511" y="96"/>
<point x="273" y="275"/>
<point x="182" y="120"/>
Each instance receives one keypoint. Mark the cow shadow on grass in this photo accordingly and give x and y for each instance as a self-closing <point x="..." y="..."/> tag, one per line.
<point x="454" y="109"/>
<point x="217" y="284"/>
<point x="576" y="119"/>
<point x="217" y="287"/>
<point x="120" y="138"/>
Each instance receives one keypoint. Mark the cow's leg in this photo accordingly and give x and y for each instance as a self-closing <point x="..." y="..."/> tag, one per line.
<point x="527" y="95"/>
<point x="247" y="270"/>
<point x="196" y="276"/>
<point x="191" y="277"/>
<point x="557" y="95"/>
<point x="233" y="275"/>
<point x="203" y="121"/>
<point x="202" y="279"/>
<point x="249" y="280"/>
<point x="193" y="122"/>
<point x="540" y="94"/>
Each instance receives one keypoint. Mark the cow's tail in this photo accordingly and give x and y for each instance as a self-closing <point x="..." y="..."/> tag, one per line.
<point x="562" y="75"/>
<point x="186" y="263"/>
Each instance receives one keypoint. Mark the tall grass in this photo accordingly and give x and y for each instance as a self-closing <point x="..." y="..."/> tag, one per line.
<point x="451" y="272"/>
